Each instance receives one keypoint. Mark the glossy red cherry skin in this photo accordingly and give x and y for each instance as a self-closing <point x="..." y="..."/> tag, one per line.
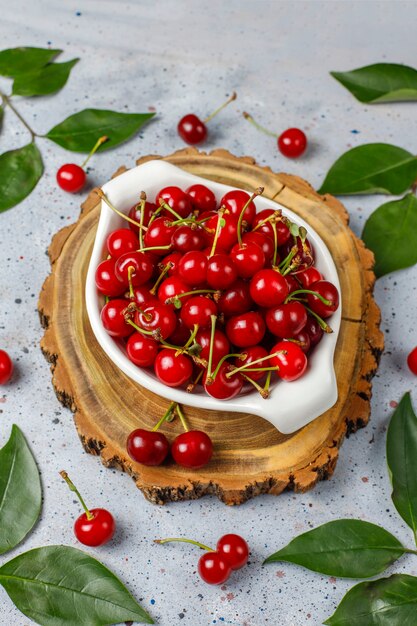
<point x="174" y="259"/>
<point x="71" y="177"/>
<point x="147" y="447"/>
<point x="221" y="271"/>
<point x="235" y="200"/>
<point x="268" y="288"/>
<point x="197" y="311"/>
<point x="309" y="276"/>
<point x="236" y="299"/>
<point x="314" y="331"/>
<point x="326" y="290"/>
<point x="173" y="370"/>
<point x="142" y="264"/>
<point x="113" y="319"/>
<point x="202" y="198"/>
<point x="223" y="387"/>
<point x="411" y="361"/>
<point x="286" y="320"/>
<point x="106" y="280"/>
<point x="283" y="232"/>
<point x="228" y="232"/>
<point x="121" y="241"/>
<point x="141" y="349"/>
<point x="248" y="259"/>
<point x="305" y="342"/>
<point x="261" y="240"/>
<point x="246" y="330"/>
<point x="221" y="345"/>
<point x="186" y="239"/>
<point x="192" y="130"/>
<point x="213" y="568"/>
<point x="177" y="199"/>
<point x="159" y="235"/>
<point x="180" y="335"/>
<point x="6" y="367"/>
<point x="142" y="295"/>
<point x="291" y="360"/>
<point x="252" y="354"/>
<point x="234" y="549"/>
<point x="135" y="212"/>
<point x="292" y="283"/>
<point x="292" y="143"/>
<point x="192" y="268"/>
<point x="192" y="449"/>
<point x="171" y="287"/>
<point x="157" y="317"/>
<point x="97" y="531"/>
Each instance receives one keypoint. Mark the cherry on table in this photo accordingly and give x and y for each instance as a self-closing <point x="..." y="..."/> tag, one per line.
<point x="192" y="449"/>
<point x="193" y="130"/>
<point x="6" y="367"/>
<point x="71" y="177"/>
<point x="147" y="447"/>
<point x="234" y="549"/>
<point x="214" y="568"/>
<point x="291" y="143"/>
<point x="412" y="361"/>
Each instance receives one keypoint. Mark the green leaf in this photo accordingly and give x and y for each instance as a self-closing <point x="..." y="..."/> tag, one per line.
<point x="348" y="548"/>
<point x="381" y="82"/>
<point x="385" y="602"/>
<point x="61" y="586"/>
<point x="391" y="233"/>
<point x="402" y="460"/>
<point x="80" y="131"/>
<point x="15" y="61"/>
<point x="43" y="81"/>
<point x="20" y="491"/>
<point x="20" y="171"/>
<point x="371" y="168"/>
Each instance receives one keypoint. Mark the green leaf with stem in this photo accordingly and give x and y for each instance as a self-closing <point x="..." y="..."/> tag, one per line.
<point x="80" y="131"/>
<point x="20" y="491"/>
<point x="385" y="602"/>
<point x="43" y="81"/>
<point x="391" y="233"/>
<point x="15" y="61"/>
<point x="371" y="168"/>
<point x="402" y="461"/>
<point x="20" y="171"/>
<point x="59" y="585"/>
<point x="346" y="548"/>
<point x="380" y="82"/>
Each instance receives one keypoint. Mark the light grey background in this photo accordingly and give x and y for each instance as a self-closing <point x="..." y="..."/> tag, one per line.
<point x="179" y="57"/>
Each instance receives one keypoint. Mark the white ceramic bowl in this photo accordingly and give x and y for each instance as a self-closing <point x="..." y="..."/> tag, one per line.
<point x="290" y="405"/>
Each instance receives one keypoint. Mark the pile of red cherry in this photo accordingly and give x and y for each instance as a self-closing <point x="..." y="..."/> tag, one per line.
<point x="213" y="294"/>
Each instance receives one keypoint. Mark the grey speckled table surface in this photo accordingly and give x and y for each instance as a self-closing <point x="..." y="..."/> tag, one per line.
<point x="180" y="56"/>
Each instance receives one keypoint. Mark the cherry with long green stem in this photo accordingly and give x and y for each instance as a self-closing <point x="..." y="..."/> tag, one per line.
<point x="71" y="177"/>
<point x="193" y="130"/>
<point x="150" y="447"/>
<point x="94" y="527"/>
<point x="292" y="143"/>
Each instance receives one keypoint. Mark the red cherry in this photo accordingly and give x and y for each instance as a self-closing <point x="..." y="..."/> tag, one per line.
<point x="236" y="299"/>
<point x="135" y="212"/>
<point x="113" y="319"/>
<point x="159" y="317"/>
<point x="147" y="447"/>
<point x="292" y="143"/>
<point x="177" y="199"/>
<point x="121" y="241"/>
<point x="328" y="291"/>
<point x="192" y="268"/>
<point x="173" y="370"/>
<point x="71" y="177"/>
<point x="142" y="268"/>
<point x="186" y="239"/>
<point x="305" y="253"/>
<point x="248" y="259"/>
<point x="286" y="320"/>
<point x="171" y="287"/>
<point x="221" y="345"/>
<point x="411" y="361"/>
<point x="235" y="200"/>
<point x="192" y="449"/>
<point x="6" y="367"/>
<point x="261" y="240"/>
<point x="292" y="361"/>
<point x="159" y="235"/>
<point x="96" y="531"/>
<point x="228" y="232"/>
<point x="246" y="329"/>
<point x="283" y="232"/>
<point x="292" y="283"/>
<point x="314" y="330"/>
<point x="174" y="258"/>
<point x="141" y="349"/>
<point x="191" y="129"/>
<point x="106" y="280"/>
<point x="180" y="335"/>
<point x="213" y="568"/>
<point x="234" y="549"/>
<point x="268" y="288"/>
<point x="223" y="387"/>
<point x="309" y="276"/>
<point x="142" y="295"/>
<point x="202" y="198"/>
<point x="197" y="311"/>
<point x="252" y="354"/>
<point x="304" y="338"/>
<point x="221" y="271"/>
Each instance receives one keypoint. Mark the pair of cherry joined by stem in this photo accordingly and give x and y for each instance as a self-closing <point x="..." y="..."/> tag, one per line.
<point x="72" y="177"/>
<point x="193" y="130"/>
<point x="94" y="527"/>
<point x="215" y="566"/>
<point x="192" y="449"/>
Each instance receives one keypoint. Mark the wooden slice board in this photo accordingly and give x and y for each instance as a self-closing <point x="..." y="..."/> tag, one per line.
<point x="251" y="456"/>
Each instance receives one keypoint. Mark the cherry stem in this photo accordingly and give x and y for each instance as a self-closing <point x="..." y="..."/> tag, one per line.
<point x="247" y="365"/>
<point x="250" y="119"/>
<point x="219" y="225"/>
<point x="165" y="270"/>
<point x="103" y="196"/>
<point x="8" y="101"/>
<point x="130" y="271"/>
<point x="314" y="293"/>
<point x="177" y="299"/>
<point x="274" y="217"/>
<point x="268" y="381"/>
<point x="181" y="539"/>
<point x="190" y="386"/>
<point x="73" y="488"/>
<point x="264" y="393"/>
<point x="274" y="230"/>
<point x="182" y="418"/>
<point x="191" y="337"/>
<point x="257" y="192"/>
<point x="142" y="216"/>
<point x="165" y="416"/>
<point x="98" y="143"/>
<point x="165" y="205"/>
<point x="324" y="325"/>
<point x="156" y="248"/>
<point x="285" y="264"/>
<point x="152" y="333"/>
<point x="228" y="101"/>
<point x="210" y="379"/>
<point x="210" y="359"/>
